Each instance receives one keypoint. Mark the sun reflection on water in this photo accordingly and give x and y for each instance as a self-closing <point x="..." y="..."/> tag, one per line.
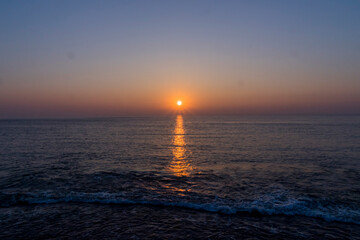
<point x="180" y="165"/>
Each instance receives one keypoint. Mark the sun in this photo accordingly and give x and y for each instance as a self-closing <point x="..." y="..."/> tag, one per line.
<point x="179" y="103"/>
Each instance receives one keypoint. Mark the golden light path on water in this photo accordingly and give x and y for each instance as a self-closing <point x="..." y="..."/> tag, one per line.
<point x="180" y="165"/>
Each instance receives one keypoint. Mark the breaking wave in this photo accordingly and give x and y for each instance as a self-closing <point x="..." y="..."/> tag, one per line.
<point x="270" y="204"/>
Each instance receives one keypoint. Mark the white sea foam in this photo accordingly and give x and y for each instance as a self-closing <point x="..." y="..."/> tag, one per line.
<point x="269" y="204"/>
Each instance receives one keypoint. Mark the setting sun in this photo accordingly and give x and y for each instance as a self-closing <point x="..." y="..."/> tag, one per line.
<point x="179" y="103"/>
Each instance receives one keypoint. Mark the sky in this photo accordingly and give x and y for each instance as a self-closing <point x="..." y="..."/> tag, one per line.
<point x="128" y="58"/>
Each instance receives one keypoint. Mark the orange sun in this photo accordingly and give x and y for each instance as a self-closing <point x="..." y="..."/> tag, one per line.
<point x="179" y="103"/>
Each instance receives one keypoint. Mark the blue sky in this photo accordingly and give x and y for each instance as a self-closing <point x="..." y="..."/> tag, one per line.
<point x="222" y="56"/>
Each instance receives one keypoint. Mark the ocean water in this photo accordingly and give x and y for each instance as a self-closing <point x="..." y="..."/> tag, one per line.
<point x="181" y="177"/>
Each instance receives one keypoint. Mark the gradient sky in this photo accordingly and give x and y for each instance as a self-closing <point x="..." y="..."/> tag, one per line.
<point x="120" y="58"/>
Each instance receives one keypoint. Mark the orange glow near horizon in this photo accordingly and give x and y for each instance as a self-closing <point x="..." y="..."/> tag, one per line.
<point x="161" y="98"/>
<point x="46" y="101"/>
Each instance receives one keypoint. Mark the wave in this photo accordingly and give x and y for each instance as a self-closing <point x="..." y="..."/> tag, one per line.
<point x="264" y="205"/>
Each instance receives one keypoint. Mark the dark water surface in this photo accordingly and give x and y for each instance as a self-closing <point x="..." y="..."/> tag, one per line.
<point x="181" y="177"/>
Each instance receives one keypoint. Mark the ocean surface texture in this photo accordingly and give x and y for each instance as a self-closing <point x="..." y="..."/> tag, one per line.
<point x="181" y="177"/>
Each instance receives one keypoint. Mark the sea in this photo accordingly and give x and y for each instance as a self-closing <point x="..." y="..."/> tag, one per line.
<point x="181" y="177"/>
